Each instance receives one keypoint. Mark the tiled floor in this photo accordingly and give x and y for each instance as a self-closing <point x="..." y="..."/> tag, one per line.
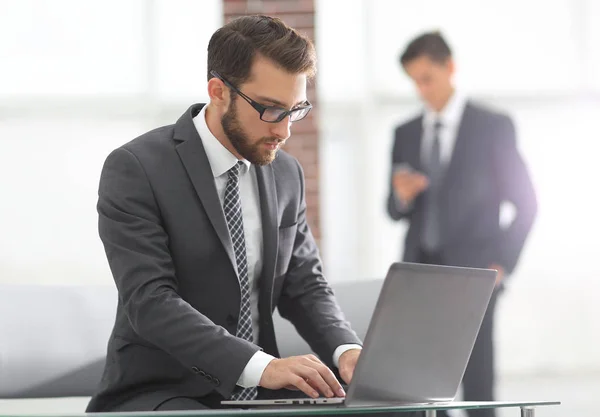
<point x="578" y="394"/>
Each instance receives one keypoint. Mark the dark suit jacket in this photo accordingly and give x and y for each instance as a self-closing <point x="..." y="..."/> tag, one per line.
<point x="485" y="170"/>
<point x="169" y="250"/>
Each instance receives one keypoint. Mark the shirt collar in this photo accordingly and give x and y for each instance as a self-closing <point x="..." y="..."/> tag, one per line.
<point x="219" y="157"/>
<point x="450" y="114"/>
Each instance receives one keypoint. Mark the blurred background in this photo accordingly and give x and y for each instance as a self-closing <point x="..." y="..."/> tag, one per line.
<point x="79" y="78"/>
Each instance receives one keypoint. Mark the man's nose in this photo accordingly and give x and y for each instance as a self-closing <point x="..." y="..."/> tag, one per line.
<point x="281" y="130"/>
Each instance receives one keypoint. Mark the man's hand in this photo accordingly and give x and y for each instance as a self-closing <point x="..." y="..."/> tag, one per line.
<point x="348" y="363"/>
<point x="409" y="185"/>
<point x="499" y="275"/>
<point x="306" y="373"/>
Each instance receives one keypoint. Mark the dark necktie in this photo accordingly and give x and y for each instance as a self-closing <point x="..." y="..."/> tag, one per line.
<point x="431" y="227"/>
<point x="232" y="208"/>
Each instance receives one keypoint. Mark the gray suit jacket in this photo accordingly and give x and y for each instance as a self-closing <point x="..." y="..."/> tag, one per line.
<point x="485" y="169"/>
<point x="169" y="250"/>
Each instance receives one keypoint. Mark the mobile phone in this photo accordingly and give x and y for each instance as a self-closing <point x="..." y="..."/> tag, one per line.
<point x="404" y="167"/>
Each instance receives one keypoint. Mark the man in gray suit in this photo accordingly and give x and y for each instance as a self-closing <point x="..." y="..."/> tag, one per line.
<point x="452" y="168"/>
<point x="204" y="227"/>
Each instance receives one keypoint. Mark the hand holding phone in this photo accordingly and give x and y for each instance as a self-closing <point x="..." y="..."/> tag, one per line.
<point x="408" y="183"/>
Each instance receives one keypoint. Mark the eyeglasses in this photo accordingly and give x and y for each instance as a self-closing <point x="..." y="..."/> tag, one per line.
<point x="269" y="114"/>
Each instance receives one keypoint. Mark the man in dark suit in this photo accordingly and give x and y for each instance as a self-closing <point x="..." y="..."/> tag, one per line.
<point x="452" y="168"/>
<point x="204" y="227"/>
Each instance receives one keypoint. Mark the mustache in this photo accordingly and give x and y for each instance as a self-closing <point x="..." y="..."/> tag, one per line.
<point x="272" y="140"/>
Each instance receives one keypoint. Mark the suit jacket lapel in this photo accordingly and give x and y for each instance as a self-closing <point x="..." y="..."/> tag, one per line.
<point x="413" y="146"/>
<point x="194" y="159"/>
<point x="268" y="206"/>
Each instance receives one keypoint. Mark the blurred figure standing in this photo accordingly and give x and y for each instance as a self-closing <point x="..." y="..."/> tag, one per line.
<point x="452" y="168"/>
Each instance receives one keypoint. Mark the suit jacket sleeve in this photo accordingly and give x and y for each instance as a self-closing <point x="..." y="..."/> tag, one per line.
<point x="396" y="209"/>
<point x="136" y="245"/>
<point x="515" y="186"/>
<point x="307" y="300"/>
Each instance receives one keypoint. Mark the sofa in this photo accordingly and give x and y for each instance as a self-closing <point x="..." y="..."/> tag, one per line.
<point x="53" y="340"/>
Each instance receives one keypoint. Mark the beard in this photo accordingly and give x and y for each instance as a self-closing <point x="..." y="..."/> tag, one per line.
<point x="255" y="152"/>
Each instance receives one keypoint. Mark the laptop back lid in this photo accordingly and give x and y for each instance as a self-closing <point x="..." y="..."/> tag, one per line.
<point x="421" y="334"/>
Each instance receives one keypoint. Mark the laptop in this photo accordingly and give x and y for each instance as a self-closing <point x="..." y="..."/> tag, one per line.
<point x="419" y="339"/>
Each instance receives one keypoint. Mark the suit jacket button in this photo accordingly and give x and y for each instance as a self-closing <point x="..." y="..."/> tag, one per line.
<point x="208" y="378"/>
<point x="195" y="369"/>
<point x="216" y="381"/>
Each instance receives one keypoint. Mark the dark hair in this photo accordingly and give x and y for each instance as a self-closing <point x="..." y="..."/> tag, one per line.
<point x="233" y="47"/>
<point x="430" y="44"/>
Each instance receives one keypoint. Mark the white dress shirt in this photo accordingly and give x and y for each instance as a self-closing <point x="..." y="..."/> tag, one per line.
<point x="221" y="161"/>
<point x="450" y="118"/>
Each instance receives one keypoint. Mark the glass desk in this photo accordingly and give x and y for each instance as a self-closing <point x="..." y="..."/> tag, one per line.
<point x="527" y="409"/>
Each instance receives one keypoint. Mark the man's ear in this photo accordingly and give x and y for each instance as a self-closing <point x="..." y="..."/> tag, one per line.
<point x="218" y="92"/>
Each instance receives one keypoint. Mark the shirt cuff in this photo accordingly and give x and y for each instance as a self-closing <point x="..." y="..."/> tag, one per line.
<point x="340" y="350"/>
<point x="254" y="369"/>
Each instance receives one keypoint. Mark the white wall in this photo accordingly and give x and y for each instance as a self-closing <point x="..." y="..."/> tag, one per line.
<point x="77" y="80"/>
<point x="539" y="61"/>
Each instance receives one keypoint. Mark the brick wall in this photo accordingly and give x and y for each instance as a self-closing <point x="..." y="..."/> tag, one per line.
<point x="304" y="142"/>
